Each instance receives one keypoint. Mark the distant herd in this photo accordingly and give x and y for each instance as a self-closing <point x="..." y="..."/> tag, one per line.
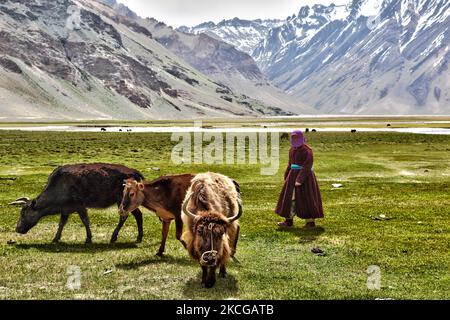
<point x="208" y="204"/>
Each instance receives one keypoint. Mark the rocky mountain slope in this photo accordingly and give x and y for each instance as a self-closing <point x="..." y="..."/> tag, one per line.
<point x="224" y="64"/>
<point x="83" y="59"/>
<point x="367" y="57"/>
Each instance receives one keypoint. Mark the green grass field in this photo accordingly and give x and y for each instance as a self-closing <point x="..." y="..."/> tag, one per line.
<point x="402" y="176"/>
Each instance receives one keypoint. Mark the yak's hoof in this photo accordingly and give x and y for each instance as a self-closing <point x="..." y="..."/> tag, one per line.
<point x="159" y="254"/>
<point x="139" y="240"/>
<point x="88" y="241"/>
<point x="113" y="240"/>
<point x="209" y="285"/>
<point x="55" y="240"/>
<point x="223" y="274"/>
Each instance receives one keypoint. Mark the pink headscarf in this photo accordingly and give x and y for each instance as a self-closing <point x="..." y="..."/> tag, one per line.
<point x="297" y="139"/>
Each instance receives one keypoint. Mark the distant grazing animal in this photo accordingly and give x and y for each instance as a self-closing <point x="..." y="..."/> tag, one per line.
<point x="103" y="129"/>
<point x="307" y="130"/>
<point x="211" y="211"/>
<point x="354" y="131"/>
<point x="163" y="196"/>
<point x="75" y="188"/>
<point x="314" y="130"/>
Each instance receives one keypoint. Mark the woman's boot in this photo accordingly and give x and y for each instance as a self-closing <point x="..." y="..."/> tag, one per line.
<point x="286" y="223"/>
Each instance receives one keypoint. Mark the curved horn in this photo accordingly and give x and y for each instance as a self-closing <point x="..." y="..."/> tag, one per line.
<point x="23" y="199"/>
<point x="238" y="215"/>
<point x="186" y="211"/>
<point x="20" y="201"/>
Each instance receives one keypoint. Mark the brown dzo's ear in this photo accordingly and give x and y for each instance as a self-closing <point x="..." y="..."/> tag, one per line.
<point x="141" y="186"/>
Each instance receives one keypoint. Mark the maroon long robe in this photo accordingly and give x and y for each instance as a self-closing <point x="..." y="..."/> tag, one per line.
<point x="308" y="202"/>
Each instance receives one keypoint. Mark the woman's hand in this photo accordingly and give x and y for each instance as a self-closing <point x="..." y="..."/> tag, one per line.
<point x="298" y="184"/>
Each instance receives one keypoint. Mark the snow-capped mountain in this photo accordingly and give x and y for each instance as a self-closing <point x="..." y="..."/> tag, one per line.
<point x="96" y="59"/>
<point x="225" y="64"/>
<point x="296" y="31"/>
<point x="85" y="59"/>
<point x="245" y="35"/>
<point x="369" y="56"/>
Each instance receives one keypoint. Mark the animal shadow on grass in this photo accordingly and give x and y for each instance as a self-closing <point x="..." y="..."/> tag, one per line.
<point x="305" y="235"/>
<point x="135" y="264"/>
<point x="223" y="289"/>
<point x="77" y="247"/>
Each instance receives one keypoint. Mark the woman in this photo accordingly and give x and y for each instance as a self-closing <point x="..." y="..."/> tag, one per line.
<point x="300" y="194"/>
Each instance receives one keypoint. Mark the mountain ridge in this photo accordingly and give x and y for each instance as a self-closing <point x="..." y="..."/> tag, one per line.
<point x="82" y="59"/>
<point x="225" y="64"/>
<point x="243" y="34"/>
<point x="366" y="57"/>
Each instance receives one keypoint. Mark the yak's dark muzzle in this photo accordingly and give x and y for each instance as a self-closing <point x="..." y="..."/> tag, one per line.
<point x="21" y="230"/>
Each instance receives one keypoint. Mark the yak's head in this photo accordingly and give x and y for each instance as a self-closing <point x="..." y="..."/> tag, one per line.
<point x="133" y="196"/>
<point x="29" y="215"/>
<point x="210" y="243"/>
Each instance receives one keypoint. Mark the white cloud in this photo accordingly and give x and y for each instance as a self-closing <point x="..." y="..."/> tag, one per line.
<point x="193" y="12"/>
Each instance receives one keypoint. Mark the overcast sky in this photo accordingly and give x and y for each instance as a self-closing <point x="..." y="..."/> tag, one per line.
<point x="193" y="12"/>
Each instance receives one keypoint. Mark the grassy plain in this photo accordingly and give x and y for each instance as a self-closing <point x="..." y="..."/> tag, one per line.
<point x="303" y="121"/>
<point x="405" y="177"/>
